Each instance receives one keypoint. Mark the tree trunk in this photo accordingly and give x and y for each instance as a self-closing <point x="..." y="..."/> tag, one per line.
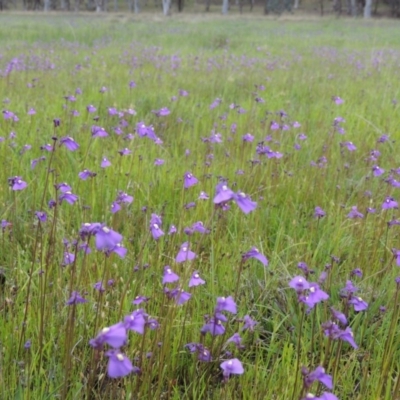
<point x="353" y="5"/>
<point x="166" y="4"/>
<point x="46" y="6"/>
<point x="208" y="5"/>
<point x="225" y="6"/>
<point x="367" y="8"/>
<point x="180" y="5"/>
<point x="136" y="6"/>
<point x="296" y="4"/>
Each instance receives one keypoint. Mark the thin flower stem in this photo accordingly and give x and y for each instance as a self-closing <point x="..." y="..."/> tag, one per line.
<point x="298" y="353"/>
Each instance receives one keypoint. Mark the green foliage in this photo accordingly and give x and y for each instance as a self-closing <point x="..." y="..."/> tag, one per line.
<point x="301" y="65"/>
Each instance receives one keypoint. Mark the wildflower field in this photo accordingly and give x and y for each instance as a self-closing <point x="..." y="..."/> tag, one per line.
<point x="200" y="208"/>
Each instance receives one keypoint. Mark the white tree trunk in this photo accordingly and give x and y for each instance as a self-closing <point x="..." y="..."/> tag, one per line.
<point x="136" y="6"/>
<point x="99" y="6"/>
<point x="353" y="7"/>
<point x="367" y="8"/>
<point x="166" y="4"/>
<point x="296" y="4"/>
<point x="225" y="6"/>
<point x="46" y="6"/>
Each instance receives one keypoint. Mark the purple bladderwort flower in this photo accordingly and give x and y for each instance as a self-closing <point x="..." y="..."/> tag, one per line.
<point x="190" y="205"/>
<point x="377" y="171"/>
<point x="99" y="287"/>
<point x="162" y="112"/>
<point x="136" y="321"/>
<point x="169" y="276"/>
<point x="105" y="163"/>
<point x="114" y="335"/>
<point x="185" y="254"/>
<point x="356" y="272"/>
<point x="103" y="89"/>
<point x="274" y="126"/>
<point x="354" y="213"/>
<point x="156" y="231"/>
<point x="158" y="161"/>
<point x="199" y="227"/>
<point x="16" y="183"/>
<point x="90" y="108"/>
<point x="69" y="143"/>
<point x="75" y="298"/>
<point x="36" y="161"/>
<point x="183" y="93"/>
<point x="52" y="203"/>
<point x="47" y="147"/>
<point x="172" y="230"/>
<point x="69" y="258"/>
<point x="247" y="138"/>
<point x="85" y="174"/>
<point x="317" y="375"/>
<point x="203" y="196"/>
<point x="98" y="131"/>
<point x="299" y="284"/>
<point x="226" y="304"/>
<point x="338" y="316"/>
<point x="231" y="367"/>
<point x="348" y="336"/>
<point x="119" y="250"/>
<point x="315" y="295"/>
<point x="106" y="238"/>
<point x="349" y="289"/>
<point x="223" y="193"/>
<point x="28" y="344"/>
<point x="119" y="365"/>
<point x="179" y="295"/>
<point x="68" y="196"/>
<point x="123" y="197"/>
<point x="248" y="323"/>
<point x="195" y="280"/>
<point x="189" y="180"/>
<point x="236" y="340"/>
<point x="244" y="202"/>
<point x="41" y="216"/>
<point x="255" y="253"/>
<point x="140" y="299"/>
<point x="25" y="149"/>
<point x="350" y="146"/>
<point x="215" y="103"/>
<point x="319" y="212"/>
<point x="337" y="100"/>
<point x="125" y="152"/>
<point x="389" y="203"/>
<point x="358" y="303"/>
<point x="213" y="326"/>
<point x="132" y="84"/>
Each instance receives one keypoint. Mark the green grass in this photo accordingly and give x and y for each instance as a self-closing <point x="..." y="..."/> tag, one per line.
<point x="302" y="64"/>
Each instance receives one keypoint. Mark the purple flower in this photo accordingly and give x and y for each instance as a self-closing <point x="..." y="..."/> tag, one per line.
<point x="337" y="100"/>
<point x="118" y="249"/>
<point x="28" y="344"/>
<point x="358" y="303"/>
<point x="69" y="143"/>
<point x="232" y="367"/>
<point x="299" y="284"/>
<point x="254" y="253"/>
<point x="244" y="202"/>
<point x="236" y="340"/>
<point x="107" y="239"/>
<point x="119" y="365"/>
<point x="185" y="254"/>
<point x="195" y="280"/>
<point x="98" y="131"/>
<point x="189" y="180"/>
<point x="115" y="336"/>
<point x="75" y="298"/>
<point x="249" y="323"/>
<point x="318" y="375"/>
<point x="125" y="152"/>
<point x="67" y="196"/>
<point x="41" y="216"/>
<point x="162" y="112"/>
<point x="319" y="212"/>
<point x="69" y="258"/>
<point x="169" y="276"/>
<point x="315" y="295"/>
<point x="115" y="207"/>
<point x="224" y="194"/>
<point x="247" y="138"/>
<point x="158" y="161"/>
<point x="136" y="321"/>
<point x="17" y="183"/>
<point x="105" y="163"/>
<point x="179" y="295"/>
<point x="354" y="213"/>
<point x="199" y="227"/>
<point x="226" y="304"/>
<point x="350" y="146"/>
<point x="389" y="202"/>
<point x="172" y="230"/>
<point x="140" y="299"/>
<point x="339" y="316"/>
<point x="156" y="231"/>
<point x="91" y="109"/>
<point x="213" y="326"/>
<point x="348" y="336"/>
<point x="85" y="174"/>
<point x="377" y="171"/>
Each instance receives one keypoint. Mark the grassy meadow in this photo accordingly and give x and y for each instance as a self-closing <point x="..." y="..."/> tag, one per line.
<point x="199" y="208"/>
